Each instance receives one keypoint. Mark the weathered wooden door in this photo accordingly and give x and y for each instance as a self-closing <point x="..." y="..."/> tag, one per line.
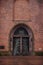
<point x="20" y="46"/>
<point x="21" y="41"/>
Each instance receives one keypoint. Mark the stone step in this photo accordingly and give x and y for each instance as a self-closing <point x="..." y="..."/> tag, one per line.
<point x="21" y="60"/>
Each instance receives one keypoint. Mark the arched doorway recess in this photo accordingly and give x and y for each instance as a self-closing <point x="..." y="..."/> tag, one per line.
<point x="21" y="40"/>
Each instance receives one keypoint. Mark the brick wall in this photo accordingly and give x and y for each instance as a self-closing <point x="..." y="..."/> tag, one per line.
<point x="31" y="14"/>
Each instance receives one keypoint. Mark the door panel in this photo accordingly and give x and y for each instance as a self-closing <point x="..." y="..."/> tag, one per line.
<point x="16" y="45"/>
<point x="25" y="46"/>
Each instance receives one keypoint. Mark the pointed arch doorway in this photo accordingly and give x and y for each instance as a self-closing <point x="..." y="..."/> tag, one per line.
<point x="21" y="40"/>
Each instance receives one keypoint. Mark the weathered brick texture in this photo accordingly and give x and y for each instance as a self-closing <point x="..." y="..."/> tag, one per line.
<point x="21" y="10"/>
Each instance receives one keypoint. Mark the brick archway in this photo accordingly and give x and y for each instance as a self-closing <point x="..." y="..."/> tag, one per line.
<point x="30" y="37"/>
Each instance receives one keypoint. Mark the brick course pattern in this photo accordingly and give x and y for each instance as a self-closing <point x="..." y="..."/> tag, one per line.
<point x="31" y="14"/>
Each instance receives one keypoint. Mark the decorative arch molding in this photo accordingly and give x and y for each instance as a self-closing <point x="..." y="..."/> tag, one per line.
<point x="30" y="34"/>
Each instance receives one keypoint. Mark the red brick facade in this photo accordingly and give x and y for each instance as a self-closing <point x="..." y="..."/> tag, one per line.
<point x="28" y="12"/>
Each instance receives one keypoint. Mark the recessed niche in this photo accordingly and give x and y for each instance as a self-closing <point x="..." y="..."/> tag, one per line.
<point x="2" y="47"/>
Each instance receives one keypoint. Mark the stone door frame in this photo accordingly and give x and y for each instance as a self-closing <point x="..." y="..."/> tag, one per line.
<point x="31" y="37"/>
